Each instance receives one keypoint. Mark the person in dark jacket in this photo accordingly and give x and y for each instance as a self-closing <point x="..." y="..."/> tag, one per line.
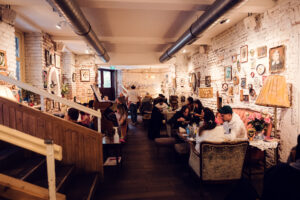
<point x="181" y="118"/>
<point x="283" y="181"/>
<point x="198" y="111"/>
<point x="155" y="123"/>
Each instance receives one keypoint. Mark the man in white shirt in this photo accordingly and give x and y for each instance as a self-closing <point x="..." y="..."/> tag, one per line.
<point x="161" y="105"/>
<point x="233" y="125"/>
<point x="133" y="99"/>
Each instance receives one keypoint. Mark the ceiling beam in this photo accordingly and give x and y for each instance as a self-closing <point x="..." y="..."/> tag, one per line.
<point x="146" y="5"/>
<point x="119" y="40"/>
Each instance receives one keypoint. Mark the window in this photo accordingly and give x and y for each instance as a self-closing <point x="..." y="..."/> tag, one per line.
<point x="106" y="79"/>
<point x="19" y="42"/>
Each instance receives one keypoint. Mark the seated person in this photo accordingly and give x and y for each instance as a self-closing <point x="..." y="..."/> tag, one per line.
<point x="73" y="115"/>
<point x="209" y="131"/>
<point x="181" y="118"/>
<point x="161" y="105"/>
<point x="233" y="125"/>
<point x="85" y="117"/>
<point x="146" y="104"/>
<point x="122" y="120"/>
<point x="190" y="104"/>
<point x="122" y="101"/>
<point x="109" y="114"/>
<point x="198" y="111"/>
<point x="282" y="181"/>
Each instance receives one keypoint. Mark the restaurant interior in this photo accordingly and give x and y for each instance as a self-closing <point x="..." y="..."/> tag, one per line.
<point x="149" y="99"/>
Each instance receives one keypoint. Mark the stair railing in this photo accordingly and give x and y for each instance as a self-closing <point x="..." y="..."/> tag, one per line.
<point x="46" y="94"/>
<point x="43" y="147"/>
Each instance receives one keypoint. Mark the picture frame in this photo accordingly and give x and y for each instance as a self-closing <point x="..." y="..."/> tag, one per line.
<point x="243" y="82"/>
<point x="45" y="78"/>
<point x="277" y="59"/>
<point x="230" y="91"/>
<point x="236" y="80"/>
<point x="3" y="60"/>
<point x="228" y="73"/>
<point x="74" y="77"/>
<point x="207" y="81"/>
<point x="244" y="54"/>
<point x="246" y="98"/>
<point x="262" y="51"/>
<point x="234" y="58"/>
<point x="47" y="58"/>
<point x="206" y="92"/>
<point x="84" y="75"/>
<point x="57" y="61"/>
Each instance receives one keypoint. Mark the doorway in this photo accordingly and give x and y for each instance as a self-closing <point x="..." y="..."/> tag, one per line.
<point x="106" y="83"/>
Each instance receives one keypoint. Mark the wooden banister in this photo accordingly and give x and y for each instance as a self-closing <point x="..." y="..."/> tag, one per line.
<point x="81" y="146"/>
<point x="46" y="94"/>
<point x="28" y="142"/>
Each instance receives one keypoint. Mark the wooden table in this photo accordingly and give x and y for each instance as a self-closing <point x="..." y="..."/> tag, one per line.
<point x="116" y="147"/>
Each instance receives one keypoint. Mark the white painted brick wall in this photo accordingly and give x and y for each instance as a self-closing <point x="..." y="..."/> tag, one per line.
<point x="279" y="26"/>
<point x="34" y="59"/>
<point x="68" y="68"/>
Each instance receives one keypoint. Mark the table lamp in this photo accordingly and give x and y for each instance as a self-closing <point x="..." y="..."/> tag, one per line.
<point x="274" y="93"/>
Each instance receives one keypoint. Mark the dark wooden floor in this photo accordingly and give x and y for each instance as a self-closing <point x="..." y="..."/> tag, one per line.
<point x="144" y="175"/>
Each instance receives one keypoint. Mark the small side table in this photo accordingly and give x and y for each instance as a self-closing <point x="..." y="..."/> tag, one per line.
<point x="263" y="146"/>
<point x="116" y="148"/>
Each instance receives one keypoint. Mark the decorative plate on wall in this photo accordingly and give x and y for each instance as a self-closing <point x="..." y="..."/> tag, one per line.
<point x="225" y="86"/>
<point x="260" y="69"/>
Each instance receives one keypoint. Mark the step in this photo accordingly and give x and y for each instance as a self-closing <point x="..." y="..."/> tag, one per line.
<point x="9" y="157"/>
<point x="26" y="168"/>
<point x="62" y="177"/>
<point x="82" y="187"/>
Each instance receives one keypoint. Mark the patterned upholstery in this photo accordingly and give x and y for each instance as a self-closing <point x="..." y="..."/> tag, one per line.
<point x="220" y="161"/>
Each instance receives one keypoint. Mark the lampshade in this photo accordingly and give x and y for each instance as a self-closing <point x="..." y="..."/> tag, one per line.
<point x="274" y="93"/>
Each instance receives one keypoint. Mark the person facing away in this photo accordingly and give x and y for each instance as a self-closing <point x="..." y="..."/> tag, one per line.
<point x="133" y="99"/>
<point x="73" y="115"/>
<point x="283" y="181"/>
<point x="190" y="104"/>
<point x="198" y="111"/>
<point x="122" y="101"/>
<point x="122" y="119"/>
<point x="233" y="125"/>
<point x="161" y="105"/>
<point x="209" y="131"/>
<point x="181" y="118"/>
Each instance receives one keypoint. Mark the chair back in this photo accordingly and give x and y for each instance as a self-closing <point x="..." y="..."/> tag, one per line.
<point x="222" y="161"/>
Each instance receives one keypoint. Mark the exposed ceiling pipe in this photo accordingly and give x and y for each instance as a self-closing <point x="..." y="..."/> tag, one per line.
<point x="70" y="10"/>
<point x="215" y="11"/>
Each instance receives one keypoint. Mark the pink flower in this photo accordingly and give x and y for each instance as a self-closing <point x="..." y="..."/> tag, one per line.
<point x="258" y="116"/>
<point x="267" y="120"/>
<point x="251" y="117"/>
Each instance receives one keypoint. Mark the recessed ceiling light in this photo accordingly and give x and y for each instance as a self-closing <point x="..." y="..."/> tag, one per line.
<point x="224" y="21"/>
<point x="87" y="51"/>
<point x="184" y="50"/>
<point x="58" y="26"/>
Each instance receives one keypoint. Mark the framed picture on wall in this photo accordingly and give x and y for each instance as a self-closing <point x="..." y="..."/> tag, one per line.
<point x="244" y="54"/>
<point x="228" y="73"/>
<point x="57" y="61"/>
<point x="84" y="75"/>
<point x="207" y="81"/>
<point x="3" y="61"/>
<point x="277" y="59"/>
<point x="243" y="82"/>
<point x="262" y="52"/>
<point x="73" y="77"/>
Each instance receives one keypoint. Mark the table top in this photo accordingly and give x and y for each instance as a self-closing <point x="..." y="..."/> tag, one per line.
<point x="264" y="144"/>
<point x="109" y="140"/>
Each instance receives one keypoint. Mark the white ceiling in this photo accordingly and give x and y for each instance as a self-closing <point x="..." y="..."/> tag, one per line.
<point x="134" y="32"/>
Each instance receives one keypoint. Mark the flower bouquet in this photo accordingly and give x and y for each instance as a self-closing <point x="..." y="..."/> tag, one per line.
<point x="258" y="123"/>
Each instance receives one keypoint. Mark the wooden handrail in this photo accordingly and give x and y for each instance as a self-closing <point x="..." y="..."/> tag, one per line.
<point x="44" y="93"/>
<point x="26" y="141"/>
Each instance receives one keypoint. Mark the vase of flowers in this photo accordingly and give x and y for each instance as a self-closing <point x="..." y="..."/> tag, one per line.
<point x="258" y="123"/>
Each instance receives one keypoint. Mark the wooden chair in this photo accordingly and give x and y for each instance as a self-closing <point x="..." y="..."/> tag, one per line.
<point x="219" y="162"/>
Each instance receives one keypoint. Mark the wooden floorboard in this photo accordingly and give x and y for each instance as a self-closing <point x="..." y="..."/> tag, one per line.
<point x="144" y="175"/>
